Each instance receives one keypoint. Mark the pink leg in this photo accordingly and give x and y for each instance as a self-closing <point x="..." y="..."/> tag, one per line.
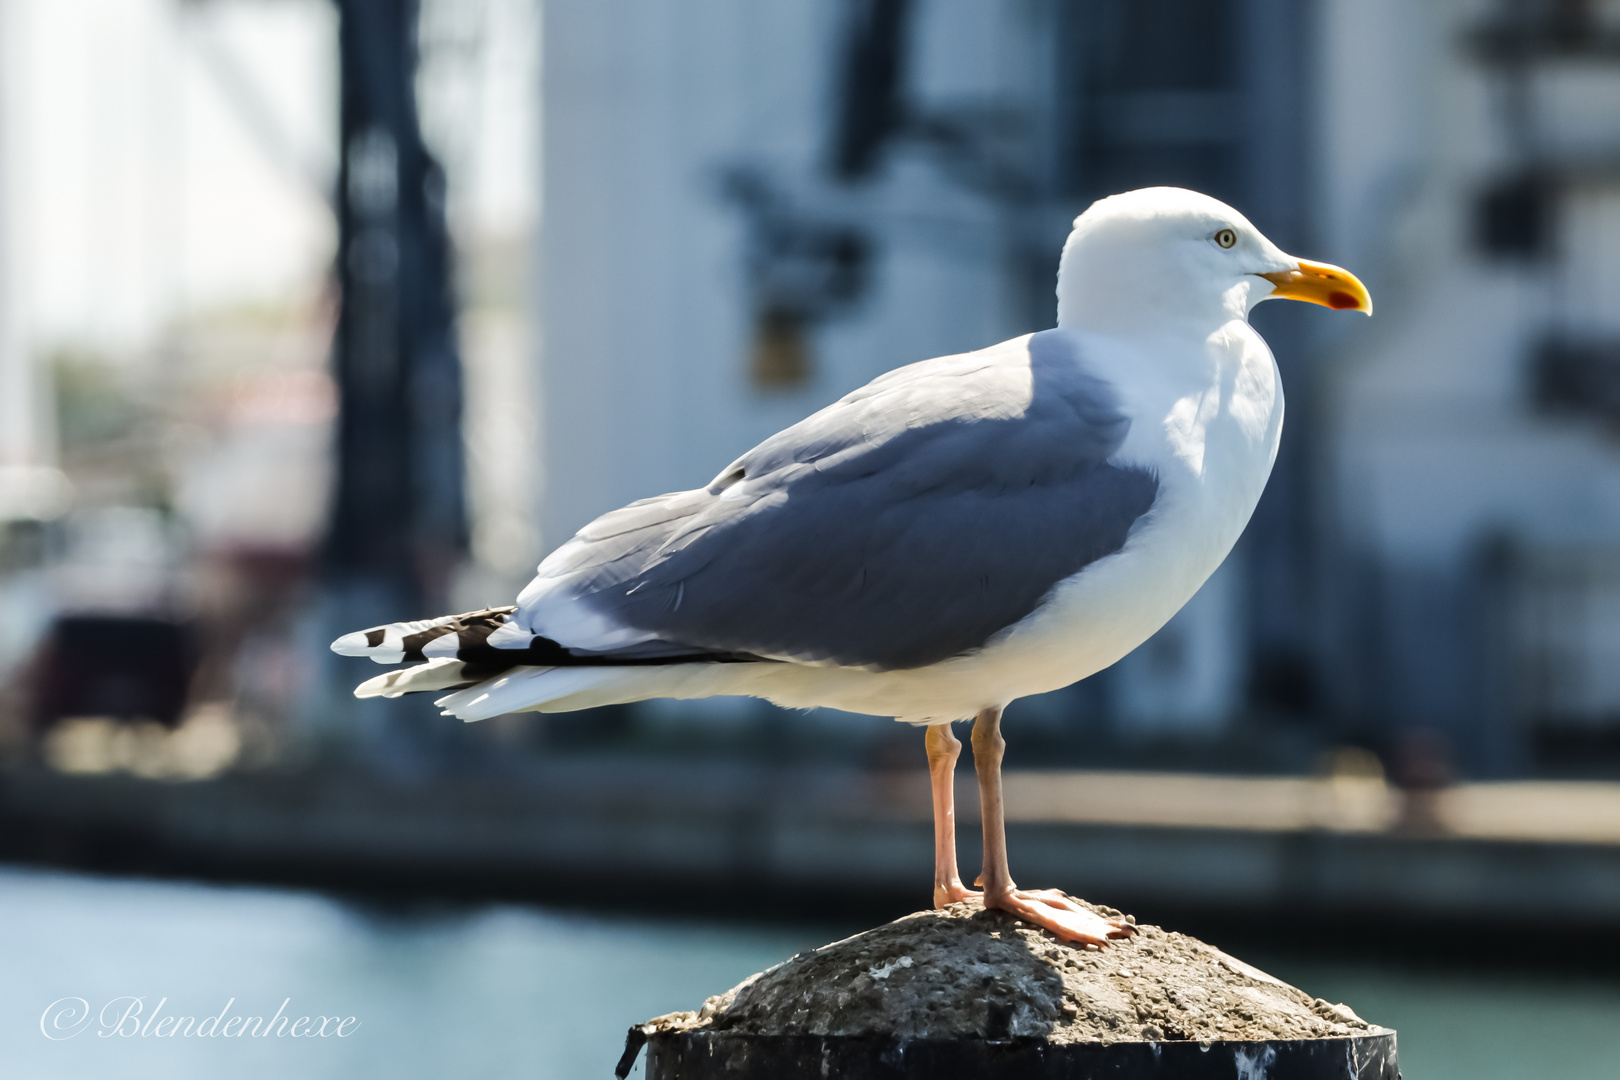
<point x="943" y="748"/>
<point x="1047" y="908"/>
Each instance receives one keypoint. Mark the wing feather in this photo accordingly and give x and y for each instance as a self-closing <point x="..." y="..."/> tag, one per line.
<point x="906" y="523"/>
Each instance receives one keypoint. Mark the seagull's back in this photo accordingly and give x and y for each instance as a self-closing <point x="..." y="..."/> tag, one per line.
<point x="905" y="524"/>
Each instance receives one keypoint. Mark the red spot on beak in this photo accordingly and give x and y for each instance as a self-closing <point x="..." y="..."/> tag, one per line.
<point x="1341" y="301"/>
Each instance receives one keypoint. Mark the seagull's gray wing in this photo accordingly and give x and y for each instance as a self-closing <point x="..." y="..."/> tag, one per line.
<point x="902" y="525"/>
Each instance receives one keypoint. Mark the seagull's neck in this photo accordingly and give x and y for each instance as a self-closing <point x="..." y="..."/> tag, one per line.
<point x="1175" y="385"/>
<point x="1176" y="358"/>
<point x="1108" y="309"/>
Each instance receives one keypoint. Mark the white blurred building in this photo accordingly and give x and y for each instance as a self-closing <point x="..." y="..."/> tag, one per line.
<point x="1472" y="166"/>
<point x="1438" y="547"/>
<point x="749" y="210"/>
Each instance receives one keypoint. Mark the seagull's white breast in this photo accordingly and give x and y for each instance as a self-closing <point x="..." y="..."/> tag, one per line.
<point x="1209" y="428"/>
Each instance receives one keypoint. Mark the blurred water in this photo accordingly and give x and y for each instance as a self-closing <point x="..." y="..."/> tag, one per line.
<point x="1473" y="1026"/>
<point x="493" y="993"/>
<point x="502" y="992"/>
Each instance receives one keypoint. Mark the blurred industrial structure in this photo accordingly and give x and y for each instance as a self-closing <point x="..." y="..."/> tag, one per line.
<point x="753" y="210"/>
<point x="316" y="313"/>
<point x="398" y="524"/>
<point x="272" y="414"/>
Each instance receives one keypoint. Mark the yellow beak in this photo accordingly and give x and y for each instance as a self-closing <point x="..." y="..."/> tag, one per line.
<point x="1321" y="283"/>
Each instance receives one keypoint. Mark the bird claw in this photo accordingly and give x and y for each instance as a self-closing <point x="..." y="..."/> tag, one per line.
<point x="954" y="893"/>
<point x="1054" y="910"/>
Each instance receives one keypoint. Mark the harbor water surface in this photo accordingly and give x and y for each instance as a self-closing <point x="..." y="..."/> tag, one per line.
<point x="507" y="991"/>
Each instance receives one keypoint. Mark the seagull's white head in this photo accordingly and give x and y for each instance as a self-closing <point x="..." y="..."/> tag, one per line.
<point x="1162" y="258"/>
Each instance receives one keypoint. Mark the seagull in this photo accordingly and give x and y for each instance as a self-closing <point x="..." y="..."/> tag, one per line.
<point x="954" y="535"/>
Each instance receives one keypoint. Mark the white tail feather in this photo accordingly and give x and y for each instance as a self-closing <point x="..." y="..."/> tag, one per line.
<point x="515" y="690"/>
<point x="440" y="674"/>
<point x="550" y="689"/>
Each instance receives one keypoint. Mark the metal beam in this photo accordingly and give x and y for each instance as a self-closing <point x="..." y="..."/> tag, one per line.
<point x="398" y="524"/>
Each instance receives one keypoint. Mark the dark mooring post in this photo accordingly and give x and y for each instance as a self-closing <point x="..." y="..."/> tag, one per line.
<point x="398" y="524"/>
<point x="968" y="994"/>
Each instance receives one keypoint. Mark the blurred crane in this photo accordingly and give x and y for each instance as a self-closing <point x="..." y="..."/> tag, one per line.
<point x="398" y="523"/>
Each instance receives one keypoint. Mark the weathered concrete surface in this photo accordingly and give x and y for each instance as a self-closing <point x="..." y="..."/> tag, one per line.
<point x="965" y="972"/>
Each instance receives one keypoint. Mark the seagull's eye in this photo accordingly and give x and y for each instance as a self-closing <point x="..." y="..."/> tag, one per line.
<point x="1226" y="238"/>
